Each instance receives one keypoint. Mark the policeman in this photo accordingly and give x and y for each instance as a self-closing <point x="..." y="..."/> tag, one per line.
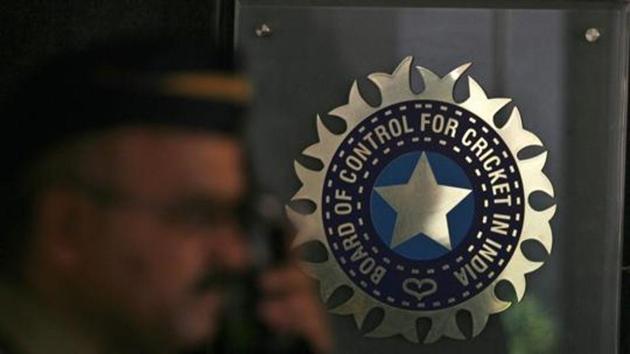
<point x="125" y="194"/>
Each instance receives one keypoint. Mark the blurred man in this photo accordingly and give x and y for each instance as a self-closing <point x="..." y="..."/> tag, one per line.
<point x="126" y="201"/>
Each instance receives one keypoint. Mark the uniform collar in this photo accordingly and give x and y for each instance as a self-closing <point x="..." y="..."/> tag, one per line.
<point x="30" y="327"/>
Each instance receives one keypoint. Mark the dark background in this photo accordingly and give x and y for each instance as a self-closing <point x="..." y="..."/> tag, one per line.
<point x="33" y="30"/>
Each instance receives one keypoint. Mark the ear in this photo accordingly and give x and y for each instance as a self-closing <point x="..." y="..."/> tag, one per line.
<point x="61" y="222"/>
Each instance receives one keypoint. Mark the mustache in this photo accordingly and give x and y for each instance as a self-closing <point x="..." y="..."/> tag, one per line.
<point x="216" y="280"/>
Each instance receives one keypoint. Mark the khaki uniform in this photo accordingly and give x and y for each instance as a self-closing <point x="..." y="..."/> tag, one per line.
<point x="29" y="327"/>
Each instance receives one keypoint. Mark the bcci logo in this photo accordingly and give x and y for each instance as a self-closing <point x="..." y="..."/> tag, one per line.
<point x="422" y="205"/>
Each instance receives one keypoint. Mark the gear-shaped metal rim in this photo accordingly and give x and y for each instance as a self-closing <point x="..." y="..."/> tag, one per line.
<point x="395" y="88"/>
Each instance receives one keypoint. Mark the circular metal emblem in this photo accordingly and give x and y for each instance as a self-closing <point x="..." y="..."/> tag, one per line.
<point x="422" y="205"/>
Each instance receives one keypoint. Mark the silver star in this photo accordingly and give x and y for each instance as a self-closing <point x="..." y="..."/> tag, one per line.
<point x="421" y="205"/>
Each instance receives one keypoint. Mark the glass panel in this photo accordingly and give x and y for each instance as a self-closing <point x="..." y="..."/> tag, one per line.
<point x="571" y="93"/>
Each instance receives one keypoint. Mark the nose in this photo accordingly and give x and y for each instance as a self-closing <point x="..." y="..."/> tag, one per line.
<point x="230" y="249"/>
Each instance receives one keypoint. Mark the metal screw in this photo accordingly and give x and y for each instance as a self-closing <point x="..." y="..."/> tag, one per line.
<point x="263" y="31"/>
<point x="592" y="35"/>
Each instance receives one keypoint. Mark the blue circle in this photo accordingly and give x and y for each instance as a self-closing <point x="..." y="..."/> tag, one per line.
<point x="447" y="173"/>
<point x="393" y="139"/>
